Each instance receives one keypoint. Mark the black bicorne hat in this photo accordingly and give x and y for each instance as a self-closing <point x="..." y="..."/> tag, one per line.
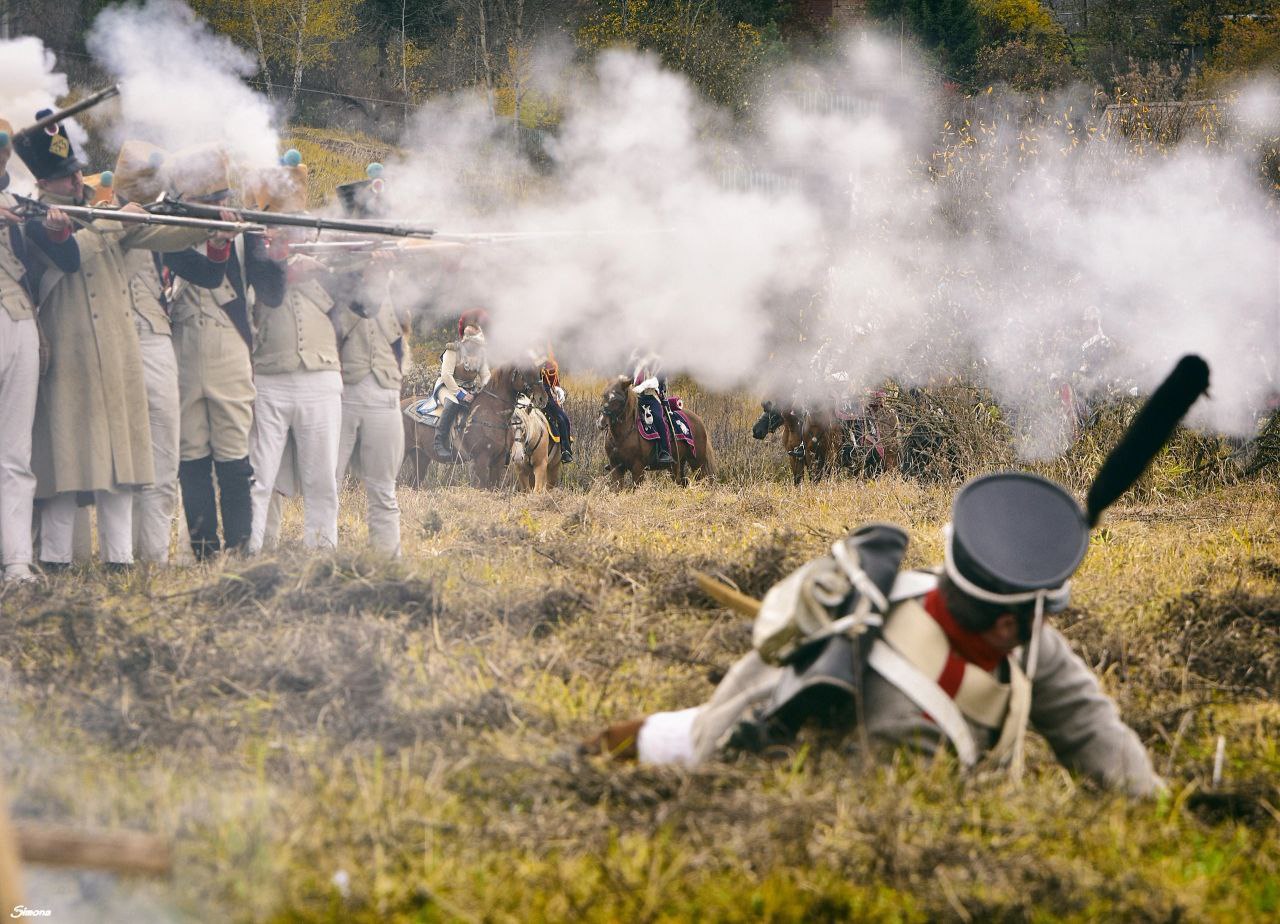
<point x="48" y="153"/>
<point x="1013" y="537"/>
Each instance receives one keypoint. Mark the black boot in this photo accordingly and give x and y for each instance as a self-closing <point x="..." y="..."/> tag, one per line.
<point x="560" y="421"/>
<point x="235" y="479"/>
<point x="441" y="445"/>
<point x="663" y="458"/>
<point x="196" y="479"/>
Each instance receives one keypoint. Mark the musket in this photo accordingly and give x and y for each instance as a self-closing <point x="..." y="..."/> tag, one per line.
<point x="354" y="248"/>
<point x="33" y="208"/>
<point x="74" y="109"/>
<point x="169" y="206"/>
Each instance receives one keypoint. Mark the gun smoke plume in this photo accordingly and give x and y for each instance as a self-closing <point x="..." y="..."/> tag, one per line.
<point x="181" y="83"/>
<point x="1027" y="257"/>
<point x="29" y="83"/>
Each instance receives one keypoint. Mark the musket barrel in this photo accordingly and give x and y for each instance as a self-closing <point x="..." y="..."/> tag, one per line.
<point x="74" y="109"/>
<point x="295" y="220"/>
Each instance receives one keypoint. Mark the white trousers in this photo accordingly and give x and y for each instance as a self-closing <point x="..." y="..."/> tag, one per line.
<point x="373" y="433"/>
<point x="19" y="380"/>
<point x="154" y="506"/>
<point x="308" y="406"/>
<point x="115" y="527"/>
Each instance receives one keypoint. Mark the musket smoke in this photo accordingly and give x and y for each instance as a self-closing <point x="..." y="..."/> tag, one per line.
<point x="29" y="83"/>
<point x="1028" y="258"/>
<point x="181" y="83"/>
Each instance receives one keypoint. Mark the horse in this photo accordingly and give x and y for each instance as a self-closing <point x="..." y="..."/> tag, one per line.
<point x="483" y="436"/>
<point x="627" y="451"/>
<point x="535" y="456"/>
<point x="808" y="438"/>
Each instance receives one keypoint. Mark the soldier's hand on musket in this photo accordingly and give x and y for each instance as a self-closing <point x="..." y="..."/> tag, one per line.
<point x="10" y="218"/>
<point x="133" y="207"/>
<point x="56" y="220"/>
<point x="223" y="237"/>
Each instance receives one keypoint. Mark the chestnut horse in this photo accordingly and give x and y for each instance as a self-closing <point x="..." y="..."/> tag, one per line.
<point x="809" y="439"/>
<point x="627" y="451"/>
<point x="535" y="456"/>
<point x="484" y="437"/>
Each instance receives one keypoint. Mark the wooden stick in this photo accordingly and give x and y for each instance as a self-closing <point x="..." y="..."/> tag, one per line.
<point x="132" y="852"/>
<point x="727" y="596"/>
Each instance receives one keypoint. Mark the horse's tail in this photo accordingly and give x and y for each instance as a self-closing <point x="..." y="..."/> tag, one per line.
<point x="707" y="464"/>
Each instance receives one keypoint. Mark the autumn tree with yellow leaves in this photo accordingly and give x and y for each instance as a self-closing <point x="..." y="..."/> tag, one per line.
<point x="288" y="36"/>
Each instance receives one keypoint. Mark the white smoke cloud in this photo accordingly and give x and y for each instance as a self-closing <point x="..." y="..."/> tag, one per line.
<point x="29" y="83"/>
<point x="1032" y="262"/>
<point x="181" y="83"/>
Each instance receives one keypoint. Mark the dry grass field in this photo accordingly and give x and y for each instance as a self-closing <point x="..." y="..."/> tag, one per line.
<point x="341" y="738"/>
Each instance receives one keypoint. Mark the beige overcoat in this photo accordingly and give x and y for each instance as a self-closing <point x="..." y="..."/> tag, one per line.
<point x="92" y="432"/>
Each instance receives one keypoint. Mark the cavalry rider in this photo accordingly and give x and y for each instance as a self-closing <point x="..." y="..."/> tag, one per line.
<point x="650" y="385"/>
<point x="549" y="370"/>
<point x="917" y="658"/>
<point x="464" y="371"/>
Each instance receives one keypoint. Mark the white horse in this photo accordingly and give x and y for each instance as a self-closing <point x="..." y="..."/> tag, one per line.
<point x="535" y="456"/>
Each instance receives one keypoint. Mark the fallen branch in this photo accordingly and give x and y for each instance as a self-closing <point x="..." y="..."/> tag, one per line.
<point x="130" y="852"/>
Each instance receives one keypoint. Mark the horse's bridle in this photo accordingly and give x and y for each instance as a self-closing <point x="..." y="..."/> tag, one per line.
<point x="606" y="409"/>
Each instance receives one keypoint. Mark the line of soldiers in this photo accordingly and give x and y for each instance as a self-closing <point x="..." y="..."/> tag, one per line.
<point x="169" y="358"/>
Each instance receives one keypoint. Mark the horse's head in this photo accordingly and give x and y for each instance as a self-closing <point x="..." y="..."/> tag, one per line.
<point x="527" y="381"/>
<point x="510" y="382"/>
<point x="614" y="402"/>
<point x="769" y="421"/>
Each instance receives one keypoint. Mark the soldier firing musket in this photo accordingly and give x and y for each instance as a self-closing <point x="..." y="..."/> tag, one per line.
<point x="92" y="430"/>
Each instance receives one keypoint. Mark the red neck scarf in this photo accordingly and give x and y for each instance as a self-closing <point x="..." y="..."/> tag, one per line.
<point x="969" y="645"/>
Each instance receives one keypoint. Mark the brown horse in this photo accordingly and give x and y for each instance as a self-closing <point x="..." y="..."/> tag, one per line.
<point x="810" y="439"/>
<point x="627" y="451"/>
<point x="535" y="456"/>
<point x="483" y="437"/>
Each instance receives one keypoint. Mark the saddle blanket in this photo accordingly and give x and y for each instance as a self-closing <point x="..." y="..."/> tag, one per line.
<point x="648" y="427"/>
<point x="425" y="411"/>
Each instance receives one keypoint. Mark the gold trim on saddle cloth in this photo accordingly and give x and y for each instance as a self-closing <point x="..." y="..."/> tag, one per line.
<point x="915" y="635"/>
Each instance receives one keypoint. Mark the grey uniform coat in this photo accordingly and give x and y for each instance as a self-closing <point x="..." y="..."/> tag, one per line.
<point x="1068" y="708"/>
<point x="92" y="429"/>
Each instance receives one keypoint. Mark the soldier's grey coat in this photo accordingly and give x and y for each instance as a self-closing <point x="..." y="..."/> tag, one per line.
<point x="92" y="430"/>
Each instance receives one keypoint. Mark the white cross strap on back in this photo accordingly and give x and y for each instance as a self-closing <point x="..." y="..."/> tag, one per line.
<point x="926" y="694"/>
